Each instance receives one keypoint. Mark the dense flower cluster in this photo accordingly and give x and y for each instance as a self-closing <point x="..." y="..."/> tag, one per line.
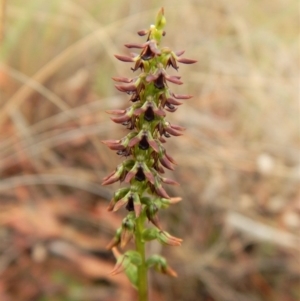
<point x="143" y="147"/>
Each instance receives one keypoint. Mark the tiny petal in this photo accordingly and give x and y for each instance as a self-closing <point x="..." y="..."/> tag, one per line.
<point x="173" y="131"/>
<point x="168" y="239"/>
<point x="129" y="176"/>
<point x="178" y="127"/>
<point x="123" y="58"/>
<point x="159" y="112"/>
<point x="153" y="47"/>
<point x="178" y="96"/>
<point x="115" y="241"/>
<point x="134" y="141"/>
<point x="121" y="119"/>
<point x="126" y="88"/>
<point x="116" y="112"/>
<point x="151" y="77"/>
<point x="161" y="192"/>
<point x="174" y="80"/>
<point x="179" y="53"/>
<point x="110" y="180"/>
<point x="153" y="144"/>
<point x="169" y="271"/>
<point x="122" y="79"/>
<point x="142" y="32"/>
<point x="170" y="158"/>
<point x="166" y="163"/>
<point x="120" y="266"/>
<point x="137" y="205"/>
<point x="170" y="181"/>
<point x="186" y="61"/>
<point x="135" y="45"/>
<point x="171" y="108"/>
<point x="173" y="101"/>
<point x="149" y="176"/>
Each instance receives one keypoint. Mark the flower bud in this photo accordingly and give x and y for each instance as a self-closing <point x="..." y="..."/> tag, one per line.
<point x="128" y="226"/>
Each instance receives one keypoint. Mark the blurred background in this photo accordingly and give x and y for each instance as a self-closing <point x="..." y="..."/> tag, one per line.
<point x="238" y="161"/>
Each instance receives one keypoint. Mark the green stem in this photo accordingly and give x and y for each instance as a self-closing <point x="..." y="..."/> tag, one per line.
<point x="142" y="269"/>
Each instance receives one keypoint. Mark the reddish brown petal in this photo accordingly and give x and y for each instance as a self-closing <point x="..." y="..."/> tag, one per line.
<point x="125" y="238"/>
<point x="186" y="61"/>
<point x="110" y="175"/>
<point x="149" y="176"/>
<point x="113" y="243"/>
<point x="126" y="88"/>
<point x="116" y="112"/>
<point x="161" y="192"/>
<point x="122" y="79"/>
<point x="166" y="163"/>
<point x="178" y="96"/>
<point x="169" y="271"/>
<point x="175" y="200"/>
<point x="173" y="101"/>
<point x="153" y="47"/>
<point x="137" y="209"/>
<point x="169" y="239"/>
<point x="159" y="112"/>
<point x="129" y="176"/>
<point x="178" y="127"/>
<point x="172" y="131"/>
<point x="162" y="140"/>
<point x="120" y="204"/>
<point x="113" y="144"/>
<point x="120" y="119"/>
<point x="153" y="145"/>
<point x="111" y="205"/>
<point x="155" y="221"/>
<point x="169" y="107"/>
<point x="138" y="64"/>
<point x="173" y="79"/>
<point x="142" y="32"/>
<point x="118" y="269"/>
<point x="134" y="141"/>
<point x="151" y="77"/>
<point x="179" y="53"/>
<point x="135" y="45"/>
<point x="123" y="58"/>
<point x="170" y="158"/>
<point x="170" y="181"/>
<point x="172" y="62"/>
<point x="138" y="112"/>
<point x="110" y="180"/>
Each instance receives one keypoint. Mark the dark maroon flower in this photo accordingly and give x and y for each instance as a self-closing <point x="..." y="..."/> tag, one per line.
<point x="141" y="137"/>
<point x="115" y="176"/>
<point x="140" y="172"/>
<point x="166" y="129"/>
<point x="149" y="109"/>
<point x="149" y="49"/>
<point x="160" y="77"/>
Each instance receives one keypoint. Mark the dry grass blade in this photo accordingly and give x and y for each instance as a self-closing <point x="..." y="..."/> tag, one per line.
<point x="60" y="179"/>
<point x="2" y="19"/>
<point x="56" y="63"/>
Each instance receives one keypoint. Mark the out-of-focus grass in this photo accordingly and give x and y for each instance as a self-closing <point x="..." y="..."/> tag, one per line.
<point x="239" y="159"/>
